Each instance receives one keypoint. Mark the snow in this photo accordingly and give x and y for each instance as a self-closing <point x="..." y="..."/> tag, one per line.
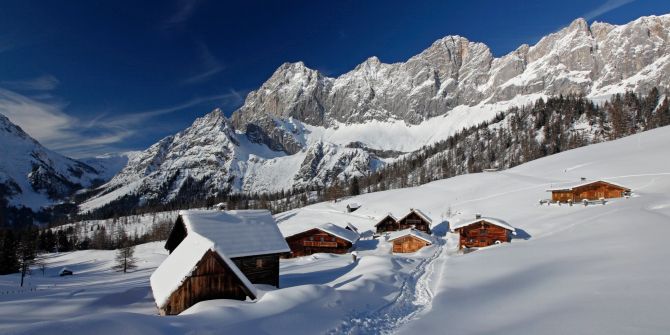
<point x="413" y="232"/>
<point x="237" y="233"/>
<point x="419" y="213"/>
<point x="343" y="233"/>
<point x="229" y="233"/>
<point x="570" y="269"/>
<point x="169" y="276"/>
<point x="494" y="221"/>
<point x="400" y="136"/>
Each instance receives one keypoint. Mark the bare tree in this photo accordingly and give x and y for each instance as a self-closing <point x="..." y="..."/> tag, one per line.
<point x="125" y="255"/>
<point x="25" y="252"/>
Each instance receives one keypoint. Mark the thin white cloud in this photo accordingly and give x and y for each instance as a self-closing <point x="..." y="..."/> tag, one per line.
<point x="209" y="63"/>
<point x="185" y="9"/>
<point x="47" y="122"/>
<point x="41" y="83"/>
<point x="606" y="7"/>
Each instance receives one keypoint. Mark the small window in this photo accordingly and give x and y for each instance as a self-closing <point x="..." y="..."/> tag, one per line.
<point x="311" y="238"/>
<point x="259" y="263"/>
<point x="322" y="239"/>
<point x="483" y="231"/>
<point x="333" y="239"/>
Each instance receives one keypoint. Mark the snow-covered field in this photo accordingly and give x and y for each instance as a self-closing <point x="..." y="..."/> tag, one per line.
<point x="600" y="269"/>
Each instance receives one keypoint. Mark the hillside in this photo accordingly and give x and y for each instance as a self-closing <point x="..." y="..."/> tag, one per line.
<point x="304" y="129"/>
<point x="594" y="269"/>
<point x="34" y="177"/>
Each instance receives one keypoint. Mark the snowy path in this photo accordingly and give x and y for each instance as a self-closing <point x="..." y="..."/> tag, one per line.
<point x="416" y="294"/>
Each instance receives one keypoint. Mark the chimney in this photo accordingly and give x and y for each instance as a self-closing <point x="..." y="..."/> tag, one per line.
<point x="478" y="216"/>
<point x="583" y="178"/>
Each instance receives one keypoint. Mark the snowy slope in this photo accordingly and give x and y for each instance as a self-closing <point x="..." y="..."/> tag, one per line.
<point x="212" y="155"/>
<point x="596" y="269"/>
<point x="34" y="176"/>
<point x="276" y="140"/>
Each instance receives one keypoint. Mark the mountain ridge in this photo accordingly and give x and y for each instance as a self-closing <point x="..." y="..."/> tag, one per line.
<point x="284" y="125"/>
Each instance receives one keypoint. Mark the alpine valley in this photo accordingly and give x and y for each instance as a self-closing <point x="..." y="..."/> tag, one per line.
<point x="302" y="129"/>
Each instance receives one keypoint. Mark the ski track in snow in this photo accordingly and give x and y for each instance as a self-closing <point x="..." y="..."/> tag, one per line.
<point x="415" y="296"/>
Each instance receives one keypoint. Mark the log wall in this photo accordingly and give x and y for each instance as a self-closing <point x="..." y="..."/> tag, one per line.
<point x="408" y="243"/>
<point x="481" y="234"/>
<point x="315" y="241"/>
<point x="212" y="279"/>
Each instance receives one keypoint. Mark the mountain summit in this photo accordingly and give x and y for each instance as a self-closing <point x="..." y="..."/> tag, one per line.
<point x="303" y="128"/>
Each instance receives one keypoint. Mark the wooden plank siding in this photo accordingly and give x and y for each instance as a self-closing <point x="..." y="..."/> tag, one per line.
<point x="387" y="224"/>
<point x="413" y="220"/>
<point x="212" y="279"/>
<point x="482" y="234"/>
<point x="594" y="191"/>
<point x="408" y="243"/>
<point x="315" y="241"/>
<point x="261" y="269"/>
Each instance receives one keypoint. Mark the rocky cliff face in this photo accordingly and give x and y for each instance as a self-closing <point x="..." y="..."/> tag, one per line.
<point x="302" y="128"/>
<point x="591" y="60"/>
<point x="211" y="158"/>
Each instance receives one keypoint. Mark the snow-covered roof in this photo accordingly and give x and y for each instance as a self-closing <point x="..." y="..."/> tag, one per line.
<point x="176" y="268"/>
<point x="343" y="233"/>
<point x="230" y="234"/>
<point x="335" y="230"/>
<point x="419" y="213"/>
<point x="413" y="232"/>
<point x="493" y="221"/>
<point x="571" y="186"/>
<point x="389" y="215"/>
<point x="237" y="233"/>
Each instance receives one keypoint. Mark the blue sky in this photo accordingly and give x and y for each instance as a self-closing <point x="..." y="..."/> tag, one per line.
<point x="89" y="77"/>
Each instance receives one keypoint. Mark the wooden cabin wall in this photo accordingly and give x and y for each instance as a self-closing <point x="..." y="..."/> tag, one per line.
<point x="261" y="269"/>
<point x="592" y="191"/>
<point x="596" y="191"/>
<point x="212" y="279"/>
<point x="315" y="241"/>
<point x="388" y="224"/>
<point x="482" y="234"/>
<point x="407" y="244"/>
<point x="416" y="221"/>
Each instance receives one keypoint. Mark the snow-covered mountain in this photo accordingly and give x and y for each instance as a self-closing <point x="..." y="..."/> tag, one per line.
<point x="108" y="165"/>
<point x="303" y="128"/>
<point x="33" y="176"/>
<point x="210" y="157"/>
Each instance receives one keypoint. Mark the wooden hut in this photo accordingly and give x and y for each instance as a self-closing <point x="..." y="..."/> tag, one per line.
<point x="416" y="219"/>
<point x="352" y="207"/>
<point x="217" y="255"/>
<point x="588" y="190"/>
<point x="409" y="240"/>
<point x="325" y="238"/>
<point x="387" y="223"/>
<point x="483" y="232"/>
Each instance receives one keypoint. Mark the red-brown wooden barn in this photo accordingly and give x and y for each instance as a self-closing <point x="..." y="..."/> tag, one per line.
<point x="387" y="223"/>
<point x="217" y="255"/>
<point x="483" y="232"/>
<point x="414" y="219"/>
<point x="588" y="190"/>
<point x="409" y="240"/>
<point x="325" y="238"/>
